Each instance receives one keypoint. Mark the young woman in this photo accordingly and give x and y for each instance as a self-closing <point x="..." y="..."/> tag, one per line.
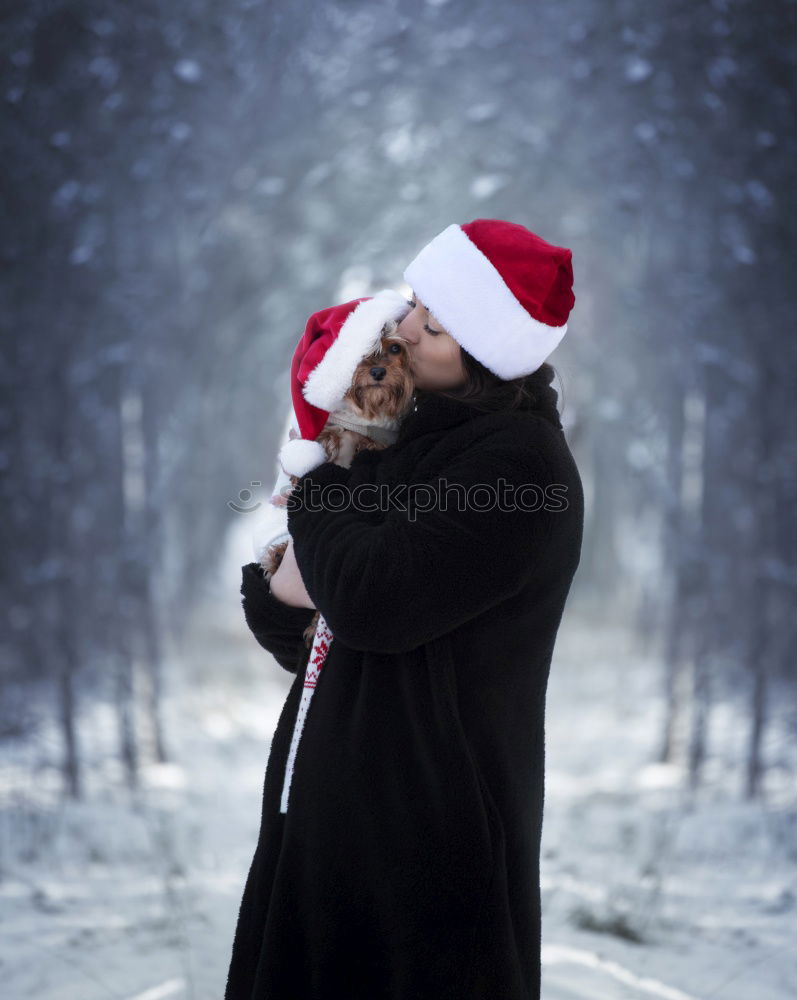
<point x="407" y="865"/>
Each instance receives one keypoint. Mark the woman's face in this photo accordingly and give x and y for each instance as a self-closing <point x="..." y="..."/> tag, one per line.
<point x="435" y="358"/>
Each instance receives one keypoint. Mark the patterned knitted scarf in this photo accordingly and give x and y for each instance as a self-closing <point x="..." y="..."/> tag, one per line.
<point x="318" y="654"/>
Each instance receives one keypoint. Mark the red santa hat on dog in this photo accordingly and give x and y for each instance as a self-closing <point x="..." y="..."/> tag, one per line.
<point x="501" y="291"/>
<point x="334" y="342"/>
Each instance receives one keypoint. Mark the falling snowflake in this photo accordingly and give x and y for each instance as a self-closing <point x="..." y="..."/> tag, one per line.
<point x="487" y="185"/>
<point x="637" y="69"/>
<point x="188" y="70"/>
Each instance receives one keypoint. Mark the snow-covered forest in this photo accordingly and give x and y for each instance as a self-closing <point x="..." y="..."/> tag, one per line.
<point x="182" y="185"/>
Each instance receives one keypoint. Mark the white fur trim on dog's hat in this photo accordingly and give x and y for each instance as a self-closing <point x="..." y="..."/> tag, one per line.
<point x="359" y="334"/>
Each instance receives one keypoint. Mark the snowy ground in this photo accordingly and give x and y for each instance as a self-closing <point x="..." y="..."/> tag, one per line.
<point x="137" y="897"/>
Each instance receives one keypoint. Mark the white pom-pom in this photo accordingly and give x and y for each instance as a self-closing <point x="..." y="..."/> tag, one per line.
<point x="300" y="456"/>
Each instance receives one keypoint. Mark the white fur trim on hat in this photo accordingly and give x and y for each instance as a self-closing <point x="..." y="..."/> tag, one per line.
<point x="299" y="456"/>
<point x="327" y="383"/>
<point x="463" y="289"/>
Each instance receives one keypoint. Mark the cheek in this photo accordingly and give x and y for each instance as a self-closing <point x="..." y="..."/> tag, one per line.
<point x="455" y="356"/>
<point x="434" y="353"/>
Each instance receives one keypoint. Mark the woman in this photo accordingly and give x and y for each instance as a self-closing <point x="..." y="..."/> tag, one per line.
<point x="407" y="865"/>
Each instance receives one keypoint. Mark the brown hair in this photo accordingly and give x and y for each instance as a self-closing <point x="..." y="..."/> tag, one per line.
<point x="486" y="392"/>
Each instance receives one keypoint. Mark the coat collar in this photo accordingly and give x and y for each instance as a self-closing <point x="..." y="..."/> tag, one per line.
<point x="434" y="412"/>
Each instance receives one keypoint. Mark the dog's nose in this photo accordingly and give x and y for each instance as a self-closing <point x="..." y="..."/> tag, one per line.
<point x="378" y="373"/>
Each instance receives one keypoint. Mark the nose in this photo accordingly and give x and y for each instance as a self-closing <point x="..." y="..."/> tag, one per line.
<point x="378" y="373"/>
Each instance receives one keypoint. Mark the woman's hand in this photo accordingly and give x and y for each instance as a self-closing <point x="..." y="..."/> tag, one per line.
<point x="287" y="584"/>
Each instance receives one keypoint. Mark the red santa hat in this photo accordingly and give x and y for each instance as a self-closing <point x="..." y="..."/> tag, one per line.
<point x="501" y="291"/>
<point x="334" y="342"/>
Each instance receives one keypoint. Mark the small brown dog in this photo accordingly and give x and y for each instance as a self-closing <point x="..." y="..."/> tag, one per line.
<point x="378" y="399"/>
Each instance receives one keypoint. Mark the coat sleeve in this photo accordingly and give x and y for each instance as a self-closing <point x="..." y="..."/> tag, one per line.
<point x="389" y="581"/>
<point x="277" y="626"/>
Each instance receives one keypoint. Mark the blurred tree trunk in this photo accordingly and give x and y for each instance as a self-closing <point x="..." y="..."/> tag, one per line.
<point x="764" y="496"/>
<point x="599" y="559"/>
<point x="700" y="610"/>
<point x="152" y="547"/>
<point x="673" y="561"/>
<point x="64" y="583"/>
<point x="125" y="487"/>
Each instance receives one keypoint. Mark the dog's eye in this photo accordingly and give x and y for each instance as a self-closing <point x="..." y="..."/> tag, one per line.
<point x="394" y="349"/>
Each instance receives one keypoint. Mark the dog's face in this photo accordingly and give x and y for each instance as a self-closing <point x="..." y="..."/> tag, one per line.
<point x="383" y="385"/>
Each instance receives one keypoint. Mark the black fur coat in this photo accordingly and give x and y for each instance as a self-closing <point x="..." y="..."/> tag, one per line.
<point x="407" y="864"/>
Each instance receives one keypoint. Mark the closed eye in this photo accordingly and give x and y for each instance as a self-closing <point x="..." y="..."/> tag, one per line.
<point x="426" y="326"/>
